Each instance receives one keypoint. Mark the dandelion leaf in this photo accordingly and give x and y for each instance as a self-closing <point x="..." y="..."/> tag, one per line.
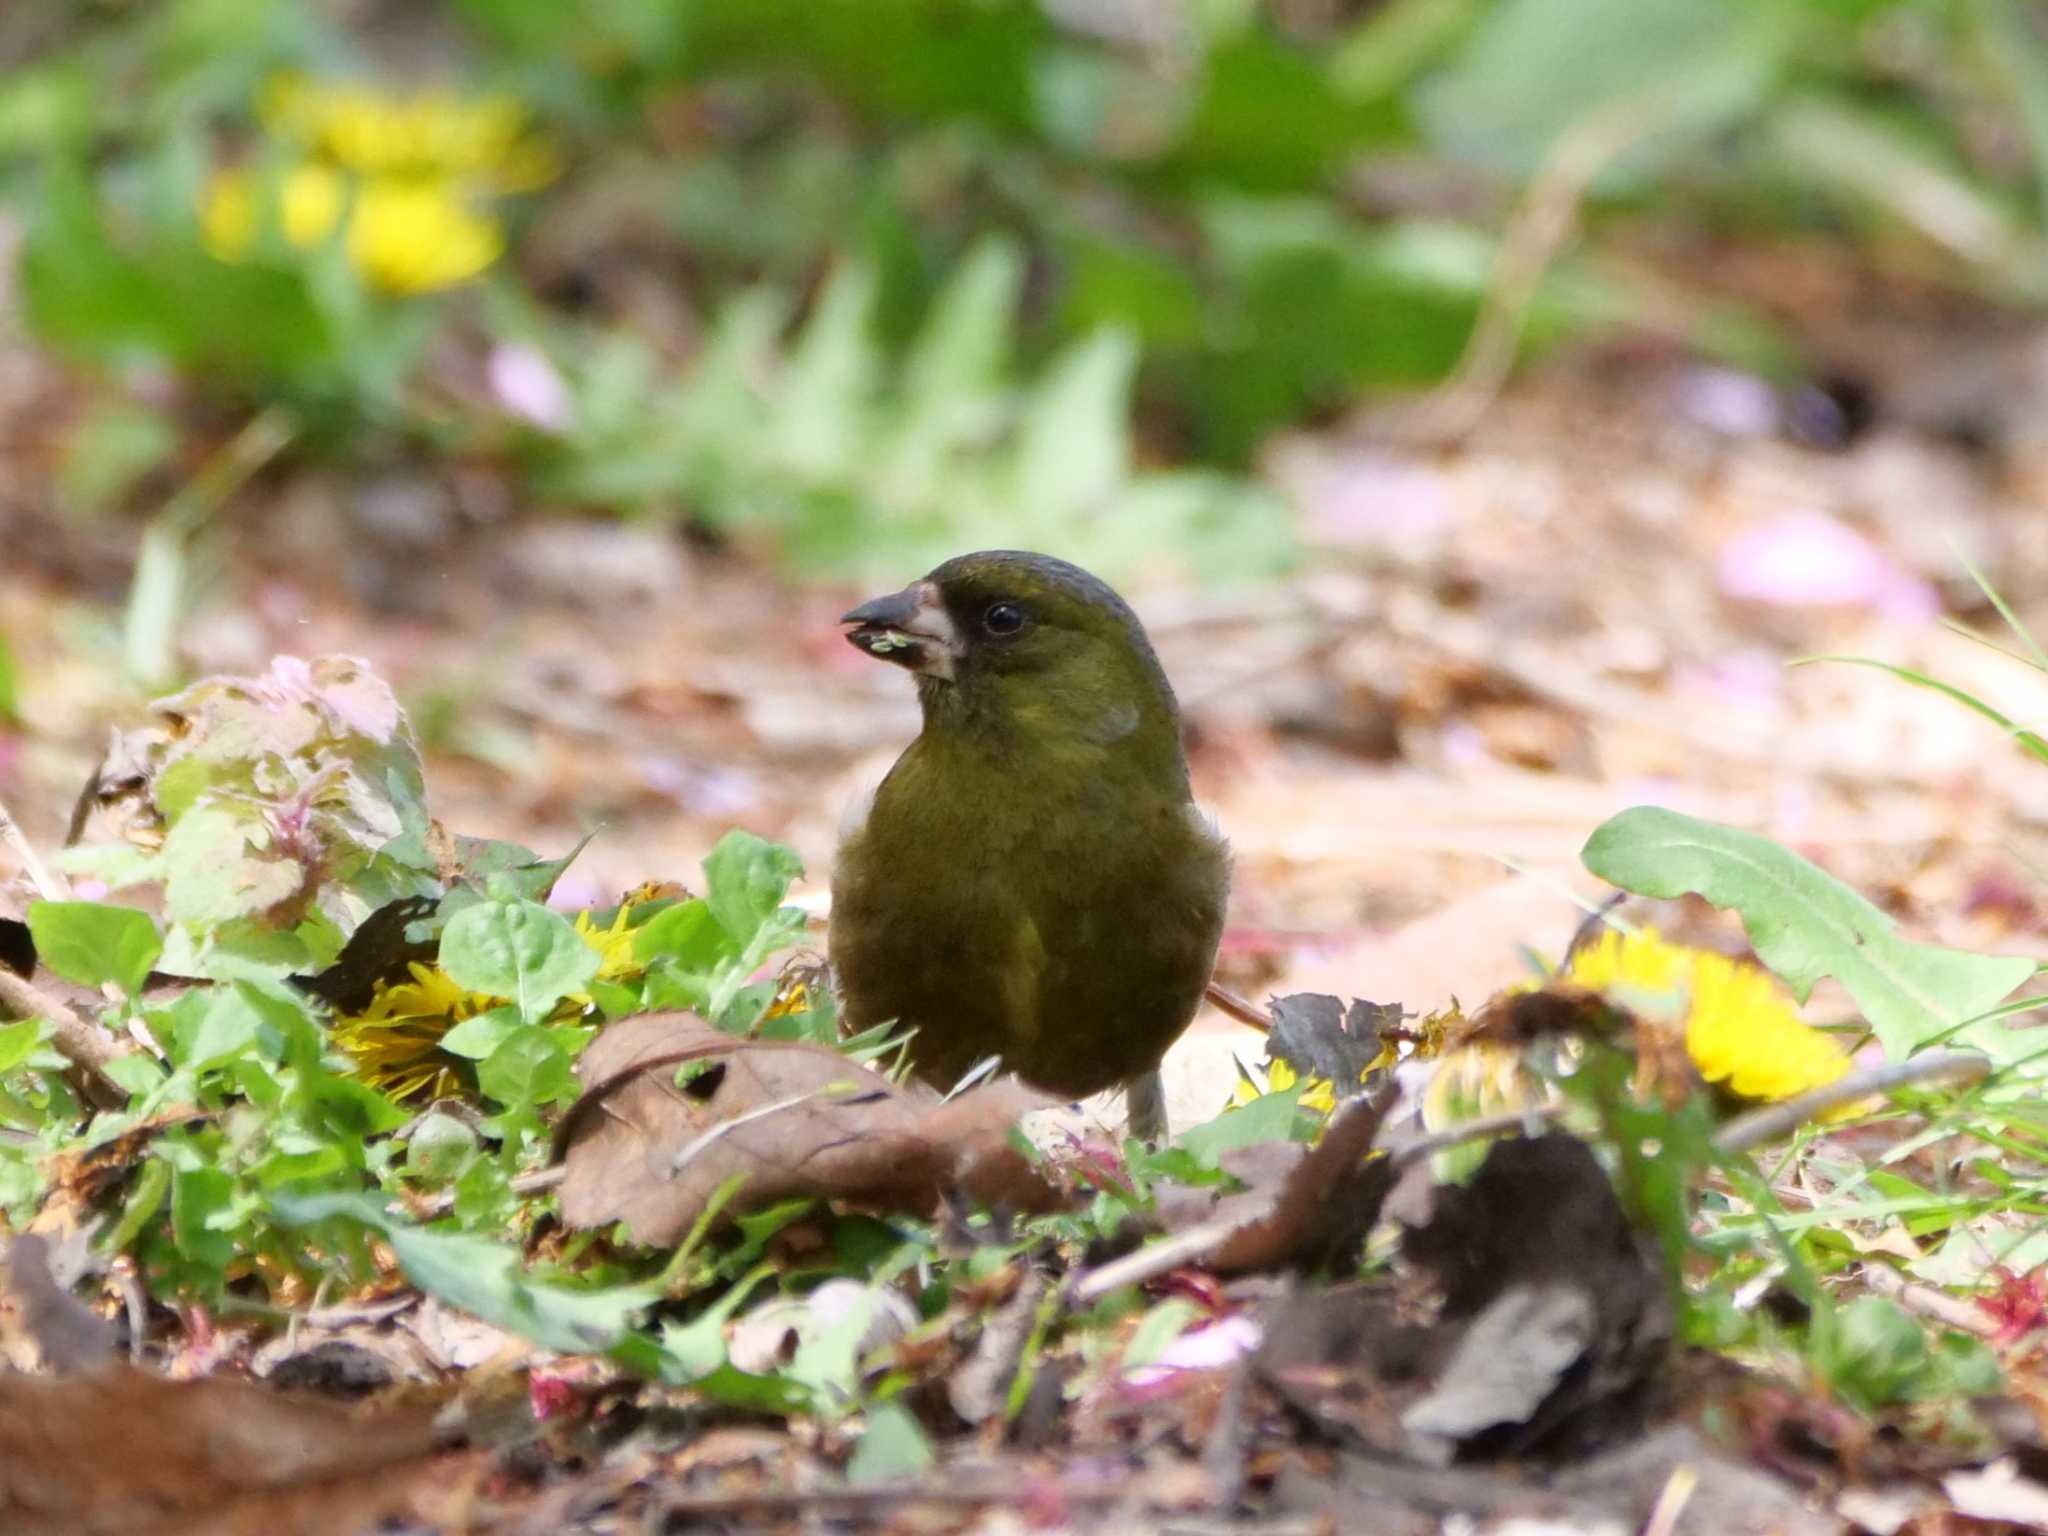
<point x="1805" y="925"/>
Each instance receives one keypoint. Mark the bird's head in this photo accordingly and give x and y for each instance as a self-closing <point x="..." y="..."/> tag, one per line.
<point x="1010" y="642"/>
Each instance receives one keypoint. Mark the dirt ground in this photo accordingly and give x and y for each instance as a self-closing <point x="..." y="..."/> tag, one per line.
<point x="1594" y="601"/>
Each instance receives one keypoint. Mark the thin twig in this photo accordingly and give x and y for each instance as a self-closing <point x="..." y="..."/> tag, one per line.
<point x="1775" y="1120"/>
<point x="85" y="1044"/>
<point x="1931" y="1303"/>
<point x="1408" y="1153"/>
<point x="1241" y="1009"/>
<point x="1671" y="1501"/>
<point x="537" y="1182"/>
<point x="49" y="884"/>
<point x="1195" y="1243"/>
<point x="789" y="1501"/>
<point x="1541" y="228"/>
<point x="1154" y="1259"/>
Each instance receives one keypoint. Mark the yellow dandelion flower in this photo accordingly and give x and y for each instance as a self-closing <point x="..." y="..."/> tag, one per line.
<point x="395" y="1042"/>
<point x="432" y="993"/>
<point x="1320" y="1095"/>
<point x="1742" y="1031"/>
<point x="613" y="943"/>
<point x="308" y="203"/>
<point x="406" y="237"/>
<point x="415" y="237"/>
<point x="1639" y="962"/>
<point x="433" y="135"/>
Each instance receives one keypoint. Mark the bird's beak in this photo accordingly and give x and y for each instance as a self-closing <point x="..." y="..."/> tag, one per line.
<point x="910" y="628"/>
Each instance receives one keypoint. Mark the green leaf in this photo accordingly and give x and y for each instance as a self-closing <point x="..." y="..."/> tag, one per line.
<point x="211" y="876"/>
<point x="892" y="1448"/>
<point x="1269" y="1117"/>
<point x="530" y="1067"/>
<point x="518" y="950"/>
<point x="821" y="422"/>
<point x="1159" y="1328"/>
<point x="1875" y="1351"/>
<point x="137" y="1073"/>
<point x="686" y="933"/>
<point x="483" y="1278"/>
<point x="440" y="1148"/>
<point x="508" y="870"/>
<point x="1074" y="444"/>
<point x="746" y="878"/>
<point x="1527" y="75"/>
<point x="226" y="1029"/>
<point x="18" y="1042"/>
<point x="200" y="1201"/>
<point x="479" y="1035"/>
<point x="1805" y="924"/>
<point x="92" y="943"/>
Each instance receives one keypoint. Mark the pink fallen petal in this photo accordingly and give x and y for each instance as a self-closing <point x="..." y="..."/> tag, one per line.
<point x="1729" y="402"/>
<point x="528" y="386"/>
<point x="1379" y="500"/>
<point x="1199" y="1349"/>
<point x="1808" y="559"/>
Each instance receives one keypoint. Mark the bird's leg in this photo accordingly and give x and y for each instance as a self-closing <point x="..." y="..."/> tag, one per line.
<point x="1145" y="1107"/>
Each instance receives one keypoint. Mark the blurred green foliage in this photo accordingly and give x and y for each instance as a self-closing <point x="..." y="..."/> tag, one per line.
<point x="1212" y="217"/>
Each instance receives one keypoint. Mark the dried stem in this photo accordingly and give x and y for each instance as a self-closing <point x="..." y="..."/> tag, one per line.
<point x="1241" y="1009"/>
<point x="1775" y="1120"/>
<point x="49" y="884"/>
<point x="1541" y="228"/>
<point x="84" y="1043"/>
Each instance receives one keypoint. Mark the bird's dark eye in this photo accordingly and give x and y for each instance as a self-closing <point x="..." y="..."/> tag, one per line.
<point x="1003" y="619"/>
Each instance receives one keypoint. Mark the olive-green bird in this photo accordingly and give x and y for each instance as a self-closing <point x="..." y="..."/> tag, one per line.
<point x="1032" y="880"/>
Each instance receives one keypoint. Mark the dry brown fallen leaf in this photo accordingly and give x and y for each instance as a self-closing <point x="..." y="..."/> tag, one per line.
<point x="121" y="1452"/>
<point x="111" y="1450"/>
<point x="1303" y="1207"/>
<point x="672" y="1108"/>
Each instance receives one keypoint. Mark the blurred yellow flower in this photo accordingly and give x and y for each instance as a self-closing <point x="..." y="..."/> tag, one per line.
<point x="310" y="199"/>
<point x="415" y="237"/>
<point x="1477" y="1081"/>
<point x="1320" y="1095"/>
<point x="404" y="237"/>
<point x="1741" y="1029"/>
<point x="435" y="135"/>
<point x="402" y="178"/>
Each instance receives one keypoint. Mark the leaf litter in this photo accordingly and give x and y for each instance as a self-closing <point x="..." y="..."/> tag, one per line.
<point x="1527" y="704"/>
<point x="916" y="1287"/>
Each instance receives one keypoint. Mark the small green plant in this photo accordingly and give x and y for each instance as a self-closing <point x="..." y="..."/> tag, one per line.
<point x="854" y="464"/>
